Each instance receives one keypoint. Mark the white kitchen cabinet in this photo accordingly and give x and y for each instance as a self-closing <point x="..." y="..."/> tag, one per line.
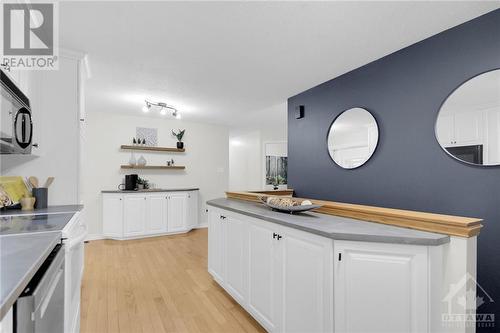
<point x="112" y="215"/>
<point x="135" y="215"/>
<point x="263" y="275"/>
<point x="177" y="211"/>
<point x="460" y="129"/>
<point x="468" y="127"/>
<point x="134" y="220"/>
<point x="380" y="287"/>
<point x="282" y="276"/>
<point x="445" y="130"/>
<point x="236" y="257"/>
<point x="306" y="282"/>
<point x="192" y="209"/>
<point x="156" y="213"/>
<point x="216" y="245"/>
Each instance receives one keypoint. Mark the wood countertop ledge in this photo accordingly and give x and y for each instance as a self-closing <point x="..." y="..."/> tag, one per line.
<point x="438" y="223"/>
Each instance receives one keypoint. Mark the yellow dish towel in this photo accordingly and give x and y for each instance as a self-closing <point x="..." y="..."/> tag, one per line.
<point x="15" y="187"/>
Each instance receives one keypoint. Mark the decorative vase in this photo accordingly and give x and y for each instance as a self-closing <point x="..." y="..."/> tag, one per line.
<point x="141" y="161"/>
<point x="132" y="161"/>
<point x="180" y="145"/>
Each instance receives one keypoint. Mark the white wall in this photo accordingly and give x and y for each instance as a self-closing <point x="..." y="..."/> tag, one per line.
<point x="206" y="159"/>
<point x="53" y="97"/>
<point x="244" y="155"/>
<point x="246" y="146"/>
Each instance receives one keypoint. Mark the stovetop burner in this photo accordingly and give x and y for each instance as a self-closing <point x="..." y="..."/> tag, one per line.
<point x="34" y="223"/>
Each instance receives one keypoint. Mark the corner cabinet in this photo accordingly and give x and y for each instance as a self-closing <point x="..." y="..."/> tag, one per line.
<point x="290" y="280"/>
<point x="136" y="215"/>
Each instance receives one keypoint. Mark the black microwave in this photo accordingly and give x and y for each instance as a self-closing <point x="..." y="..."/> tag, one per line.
<point x="16" y="132"/>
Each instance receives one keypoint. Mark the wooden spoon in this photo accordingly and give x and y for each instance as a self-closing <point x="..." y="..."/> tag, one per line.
<point x="33" y="181"/>
<point x="48" y="182"/>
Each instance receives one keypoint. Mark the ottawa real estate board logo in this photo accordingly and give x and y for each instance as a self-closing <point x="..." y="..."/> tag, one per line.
<point x="30" y="36"/>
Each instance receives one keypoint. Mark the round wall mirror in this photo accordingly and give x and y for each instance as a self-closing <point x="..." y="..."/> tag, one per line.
<point x="468" y="123"/>
<point x="352" y="138"/>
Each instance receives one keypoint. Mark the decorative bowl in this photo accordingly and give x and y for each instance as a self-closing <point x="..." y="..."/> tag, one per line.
<point x="289" y="209"/>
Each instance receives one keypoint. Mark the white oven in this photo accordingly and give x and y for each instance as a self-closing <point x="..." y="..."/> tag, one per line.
<point x="74" y="233"/>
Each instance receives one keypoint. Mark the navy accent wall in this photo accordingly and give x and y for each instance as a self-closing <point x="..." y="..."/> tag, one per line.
<point x="409" y="170"/>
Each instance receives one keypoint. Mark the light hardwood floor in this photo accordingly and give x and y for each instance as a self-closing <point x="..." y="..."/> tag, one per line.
<point x="156" y="284"/>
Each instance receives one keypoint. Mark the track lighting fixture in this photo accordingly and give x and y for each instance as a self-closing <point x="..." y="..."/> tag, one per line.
<point x="163" y="107"/>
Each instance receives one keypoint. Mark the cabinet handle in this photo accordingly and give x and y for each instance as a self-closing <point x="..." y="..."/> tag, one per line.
<point x="340" y="256"/>
<point x="279" y="237"/>
<point x="274" y="235"/>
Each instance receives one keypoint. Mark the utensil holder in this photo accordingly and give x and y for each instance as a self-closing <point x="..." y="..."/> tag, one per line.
<point x="41" y="195"/>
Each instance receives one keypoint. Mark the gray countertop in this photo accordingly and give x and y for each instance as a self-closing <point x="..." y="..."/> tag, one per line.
<point x="153" y="190"/>
<point x="334" y="227"/>
<point x="20" y="257"/>
<point x="48" y="210"/>
<point x="26" y="239"/>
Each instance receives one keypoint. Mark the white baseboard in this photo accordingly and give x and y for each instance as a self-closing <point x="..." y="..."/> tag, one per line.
<point x="91" y="237"/>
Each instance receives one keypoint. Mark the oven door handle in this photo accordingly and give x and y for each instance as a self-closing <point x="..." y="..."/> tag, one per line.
<point x="75" y="241"/>
<point x="52" y="288"/>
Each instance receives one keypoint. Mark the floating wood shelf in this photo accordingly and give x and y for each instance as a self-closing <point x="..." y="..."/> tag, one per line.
<point x="151" y="148"/>
<point x="154" y="167"/>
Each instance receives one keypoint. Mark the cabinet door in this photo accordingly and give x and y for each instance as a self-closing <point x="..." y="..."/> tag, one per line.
<point x="445" y="130"/>
<point x="216" y="245"/>
<point x="192" y="210"/>
<point x="307" y="282"/>
<point x="380" y="287"/>
<point x="112" y="215"/>
<point x="263" y="273"/>
<point x="176" y="211"/>
<point x="156" y="219"/>
<point x="468" y="128"/>
<point x="135" y="215"/>
<point x="236" y="257"/>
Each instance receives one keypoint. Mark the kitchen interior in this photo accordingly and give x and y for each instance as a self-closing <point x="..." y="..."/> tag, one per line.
<point x="265" y="167"/>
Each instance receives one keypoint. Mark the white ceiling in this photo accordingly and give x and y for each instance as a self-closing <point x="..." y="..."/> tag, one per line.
<point x="479" y="93"/>
<point x="220" y="62"/>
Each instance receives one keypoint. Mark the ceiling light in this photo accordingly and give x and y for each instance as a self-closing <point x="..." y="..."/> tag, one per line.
<point x="163" y="107"/>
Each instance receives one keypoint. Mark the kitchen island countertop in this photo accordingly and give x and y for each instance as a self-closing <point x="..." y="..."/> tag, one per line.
<point x="333" y="227"/>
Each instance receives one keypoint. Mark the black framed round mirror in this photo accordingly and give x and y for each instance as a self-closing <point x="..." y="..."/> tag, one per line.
<point x="352" y="138"/>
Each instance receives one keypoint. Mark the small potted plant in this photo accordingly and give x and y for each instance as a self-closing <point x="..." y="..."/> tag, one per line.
<point x="142" y="184"/>
<point x="179" y="136"/>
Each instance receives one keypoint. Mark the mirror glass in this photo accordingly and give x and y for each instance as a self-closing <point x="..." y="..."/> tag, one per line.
<point x="468" y="124"/>
<point x="352" y="138"/>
